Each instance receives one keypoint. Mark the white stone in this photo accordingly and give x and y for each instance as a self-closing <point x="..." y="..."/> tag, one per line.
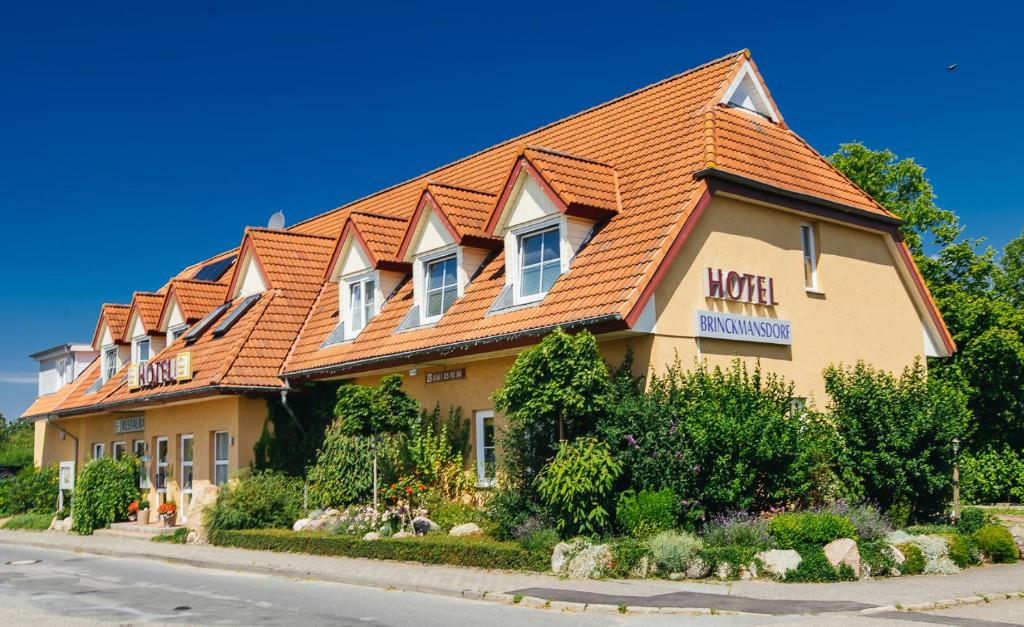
<point x="300" y="524"/>
<point x="468" y="529"/>
<point x="897" y="555"/>
<point x="724" y="570"/>
<point x="1017" y="532"/>
<point x="590" y="562"/>
<point x="193" y="538"/>
<point x="560" y="556"/>
<point x="697" y="569"/>
<point x="778" y="562"/>
<point x="373" y="535"/>
<point x="203" y="498"/>
<point x="56" y="524"/>
<point x="434" y="527"/>
<point x="68" y="523"/>
<point x="403" y="534"/>
<point x="843" y="551"/>
<point x="332" y="513"/>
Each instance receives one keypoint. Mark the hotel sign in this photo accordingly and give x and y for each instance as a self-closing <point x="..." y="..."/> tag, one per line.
<point x="739" y="286"/>
<point x="129" y="425"/>
<point x="446" y="375"/>
<point x="727" y="326"/>
<point x="175" y="369"/>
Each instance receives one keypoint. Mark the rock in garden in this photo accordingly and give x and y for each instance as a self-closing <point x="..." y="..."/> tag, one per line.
<point x="402" y="534"/>
<point x="697" y="569"/>
<point x="724" y="570"/>
<point x="193" y="538"/>
<point x="204" y="498"/>
<point x="68" y="523"/>
<point x="56" y="524"/>
<point x="843" y="551"/>
<point x="645" y="568"/>
<point x="422" y="525"/>
<point x="316" y="524"/>
<point x="590" y="562"/>
<point x="331" y="513"/>
<point x="301" y="524"/>
<point x="373" y="535"/>
<point x="1017" y="532"/>
<point x="778" y="562"/>
<point x="560" y="556"/>
<point x="468" y="529"/>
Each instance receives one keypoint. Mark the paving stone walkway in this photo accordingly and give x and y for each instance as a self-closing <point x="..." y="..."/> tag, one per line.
<point x="762" y="597"/>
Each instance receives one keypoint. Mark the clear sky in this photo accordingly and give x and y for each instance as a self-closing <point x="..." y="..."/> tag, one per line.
<point x="139" y="137"/>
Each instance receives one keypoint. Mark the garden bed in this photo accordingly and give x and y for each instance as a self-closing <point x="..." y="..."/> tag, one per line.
<point x="475" y="552"/>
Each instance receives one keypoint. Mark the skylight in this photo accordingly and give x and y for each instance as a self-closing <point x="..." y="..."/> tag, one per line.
<point x="214" y="271"/>
<point x="233" y="317"/>
<point x="205" y="323"/>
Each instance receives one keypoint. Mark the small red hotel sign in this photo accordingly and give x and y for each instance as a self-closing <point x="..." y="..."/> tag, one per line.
<point x="739" y="286"/>
<point x="175" y="369"/>
<point x="446" y="375"/>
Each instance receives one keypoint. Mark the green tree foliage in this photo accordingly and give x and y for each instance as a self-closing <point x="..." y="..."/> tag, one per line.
<point x="32" y="490"/>
<point x="289" y="444"/>
<point x="263" y="500"/>
<point x="898" y="434"/>
<point x="577" y="485"/>
<point x="436" y="449"/>
<point x="16" y="441"/>
<point x="366" y="411"/>
<point x="103" y="491"/>
<point x="343" y="472"/>
<point x="794" y="530"/>
<point x="722" y="439"/>
<point x="979" y="292"/>
<point x="645" y="513"/>
<point x="554" y="391"/>
<point x="992" y="475"/>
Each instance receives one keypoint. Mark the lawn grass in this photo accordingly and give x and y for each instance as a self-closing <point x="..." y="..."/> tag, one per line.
<point x="1003" y="510"/>
<point x="179" y="536"/>
<point x="29" y="522"/>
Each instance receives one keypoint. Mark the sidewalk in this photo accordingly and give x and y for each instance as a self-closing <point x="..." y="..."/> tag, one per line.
<point x="762" y="597"/>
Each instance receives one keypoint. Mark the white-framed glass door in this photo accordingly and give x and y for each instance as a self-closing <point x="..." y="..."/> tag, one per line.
<point x="187" y="459"/>
<point x="139" y="448"/>
<point x="161" y="465"/>
<point x="485" y="447"/>
<point x="221" y="443"/>
<point x="118" y="449"/>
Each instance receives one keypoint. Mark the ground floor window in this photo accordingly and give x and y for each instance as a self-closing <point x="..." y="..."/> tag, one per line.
<point x="117" y="449"/>
<point x="139" y="448"/>
<point x="186" y="463"/>
<point x="485" y="443"/>
<point x="220" y="457"/>
<point x="161" y="464"/>
<point x="97" y="450"/>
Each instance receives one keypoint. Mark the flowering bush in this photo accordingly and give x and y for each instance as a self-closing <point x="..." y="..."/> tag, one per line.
<point x="738" y="529"/>
<point x="133" y="508"/>
<point x="167" y="510"/>
<point x="359" y="520"/>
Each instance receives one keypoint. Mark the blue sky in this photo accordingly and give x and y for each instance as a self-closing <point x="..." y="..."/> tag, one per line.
<point x="140" y="137"/>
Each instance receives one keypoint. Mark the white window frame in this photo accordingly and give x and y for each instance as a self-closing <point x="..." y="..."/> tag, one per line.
<point x="173" y="333"/>
<point x="98" y="450"/>
<point x="143" y="464"/>
<point x="108" y="371"/>
<point x="361" y="279"/>
<point x="186" y="486"/>
<point x="520" y="240"/>
<point x="161" y="466"/>
<point x="809" y="262"/>
<point x="513" y="262"/>
<point x="136" y="342"/>
<point x="479" y="417"/>
<point x="120" y="444"/>
<point x="218" y="462"/>
<point x="425" y="263"/>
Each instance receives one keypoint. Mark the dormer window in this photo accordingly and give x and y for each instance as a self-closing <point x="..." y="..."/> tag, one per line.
<point x="540" y="263"/>
<point x="140" y="350"/>
<point x="175" y="332"/>
<point x="361" y="304"/>
<point x="442" y="286"/>
<point x="109" y="363"/>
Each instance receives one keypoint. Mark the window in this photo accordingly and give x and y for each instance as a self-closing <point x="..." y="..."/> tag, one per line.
<point x="97" y="450"/>
<point x="161" y="464"/>
<point x="109" y="363"/>
<point x="797" y="406"/>
<point x="810" y="260"/>
<point x="186" y="463"/>
<point x="540" y="263"/>
<point x="485" y="455"/>
<point x="220" y="457"/>
<point x="141" y="351"/>
<point x="362" y="303"/>
<point x="117" y="449"/>
<point x="175" y="332"/>
<point x="442" y="286"/>
<point x="139" y="447"/>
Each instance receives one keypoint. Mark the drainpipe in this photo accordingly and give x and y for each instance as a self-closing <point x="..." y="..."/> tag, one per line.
<point x="287" y="408"/>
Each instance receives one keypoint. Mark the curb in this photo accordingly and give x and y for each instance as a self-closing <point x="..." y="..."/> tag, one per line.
<point x="941" y="604"/>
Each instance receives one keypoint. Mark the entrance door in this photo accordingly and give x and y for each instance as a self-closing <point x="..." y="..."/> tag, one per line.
<point x="161" y="466"/>
<point x="186" y="475"/>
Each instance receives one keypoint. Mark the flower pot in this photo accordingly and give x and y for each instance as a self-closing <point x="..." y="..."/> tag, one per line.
<point x="143" y="517"/>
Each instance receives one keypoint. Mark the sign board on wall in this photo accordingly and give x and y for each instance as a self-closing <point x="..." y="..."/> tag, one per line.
<point x="446" y="375"/>
<point x="66" y="476"/>
<point x="739" y="286"/>
<point x="727" y="326"/>
<point x="175" y="369"/>
<point x="129" y="425"/>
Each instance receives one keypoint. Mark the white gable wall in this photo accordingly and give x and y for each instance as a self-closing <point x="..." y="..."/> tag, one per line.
<point x="432" y="234"/>
<point x="251" y="281"/>
<point x="353" y="258"/>
<point x="528" y="203"/>
<point x="135" y="324"/>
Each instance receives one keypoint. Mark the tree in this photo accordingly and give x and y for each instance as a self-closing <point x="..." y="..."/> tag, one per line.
<point x="555" y="391"/>
<point x="371" y="412"/>
<point x="16" y="438"/>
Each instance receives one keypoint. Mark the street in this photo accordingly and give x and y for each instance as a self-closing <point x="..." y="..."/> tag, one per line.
<point x="63" y="588"/>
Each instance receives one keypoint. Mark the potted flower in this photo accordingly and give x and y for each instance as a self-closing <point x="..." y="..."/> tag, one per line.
<point x="143" y="514"/>
<point x="133" y="511"/>
<point x="166" y="511"/>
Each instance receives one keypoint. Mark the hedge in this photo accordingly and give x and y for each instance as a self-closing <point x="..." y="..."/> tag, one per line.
<point x="478" y="552"/>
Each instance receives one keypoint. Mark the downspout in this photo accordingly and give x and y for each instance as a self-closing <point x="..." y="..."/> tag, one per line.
<point x="287" y="408"/>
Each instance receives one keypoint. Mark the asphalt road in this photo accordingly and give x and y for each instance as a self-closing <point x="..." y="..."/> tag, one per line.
<point x="63" y="588"/>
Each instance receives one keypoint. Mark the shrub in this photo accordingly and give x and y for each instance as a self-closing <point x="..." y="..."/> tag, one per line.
<point x="16" y="443"/>
<point x="992" y="475"/>
<point x="878" y="557"/>
<point x="915" y="562"/>
<point x="935" y="549"/>
<point x="627" y="557"/>
<point x="814" y="567"/>
<point x="31" y="522"/>
<point x="869" y="522"/>
<point x="897" y="434"/>
<point x="739" y="528"/>
<point x="554" y="392"/>
<point x="673" y="551"/>
<point x="997" y="544"/>
<point x="32" y="490"/>
<point x="800" y="529"/>
<point x="543" y="540"/>
<point x="263" y="499"/>
<point x="448" y="514"/>
<point x="576" y="485"/>
<point x="436" y="448"/>
<point x="515" y="516"/>
<point x="103" y="491"/>
<point x="430" y="549"/>
<point x="972" y="519"/>
<point x="959" y="550"/>
<point x="728" y="560"/>
<point x="180" y="536"/>
<point x="721" y="439"/>
<point x="343" y="472"/>
<point x="645" y="513"/>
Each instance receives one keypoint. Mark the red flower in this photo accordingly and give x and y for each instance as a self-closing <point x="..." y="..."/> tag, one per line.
<point x="422" y="487"/>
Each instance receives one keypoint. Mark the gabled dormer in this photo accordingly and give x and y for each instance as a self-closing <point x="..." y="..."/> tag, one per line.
<point x="142" y="331"/>
<point x="364" y="267"/>
<point x="748" y="91"/>
<point x="187" y="302"/>
<point x="445" y="244"/>
<point x="250" y="277"/>
<point x="550" y="206"/>
<point x="108" y="340"/>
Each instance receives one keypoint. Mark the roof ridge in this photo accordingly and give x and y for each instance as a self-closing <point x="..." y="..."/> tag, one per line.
<point x="745" y="52"/>
<point x="376" y="215"/>
<point x="568" y="155"/>
<point x="261" y="229"/>
<point x="199" y="282"/>
<point x="461" y="188"/>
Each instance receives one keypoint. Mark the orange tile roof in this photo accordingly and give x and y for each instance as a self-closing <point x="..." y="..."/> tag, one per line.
<point x="116" y="317"/>
<point x="196" y="298"/>
<point x="634" y="159"/>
